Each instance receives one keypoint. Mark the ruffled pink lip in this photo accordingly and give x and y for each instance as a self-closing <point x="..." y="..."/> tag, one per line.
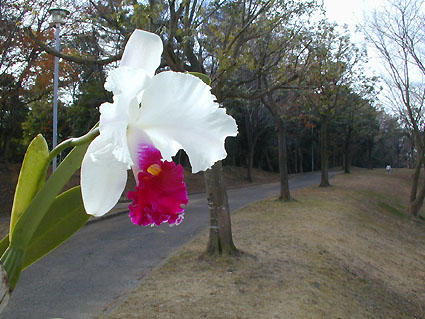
<point x="160" y="191"/>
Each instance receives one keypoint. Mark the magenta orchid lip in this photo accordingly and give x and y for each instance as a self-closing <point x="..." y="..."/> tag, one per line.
<point x="160" y="191"/>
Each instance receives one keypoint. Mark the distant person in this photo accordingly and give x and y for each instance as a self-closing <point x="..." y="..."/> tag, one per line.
<point x="388" y="168"/>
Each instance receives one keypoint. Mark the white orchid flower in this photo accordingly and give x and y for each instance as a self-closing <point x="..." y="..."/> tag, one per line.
<point x="150" y="119"/>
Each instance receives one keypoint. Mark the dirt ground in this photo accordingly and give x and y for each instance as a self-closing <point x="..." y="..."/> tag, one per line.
<point x="347" y="251"/>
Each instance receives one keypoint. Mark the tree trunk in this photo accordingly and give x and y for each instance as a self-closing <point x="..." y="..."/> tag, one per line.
<point x="300" y="160"/>
<point x="250" y="142"/>
<point x="220" y="240"/>
<point x="250" y="164"/>
<point x="324" y="181"/>
<point x="369" y="154"/>
<point x="285" y="195"/>
<point x="6" y="148"/>
<point x="415" y="178"/>
<point x="251" y="151"/>
<point x="347" y="162"/>
<point x="412" y="157"/>
<point x="416" y="205"/>
<point x="270" y="167"/>
<point x="347" y="155"/>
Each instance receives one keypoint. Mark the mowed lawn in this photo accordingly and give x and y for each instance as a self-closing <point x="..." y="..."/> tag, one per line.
<point x="346" y="251"/>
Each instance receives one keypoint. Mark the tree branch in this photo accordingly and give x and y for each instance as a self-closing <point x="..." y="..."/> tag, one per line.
<point x="78" y="60"/>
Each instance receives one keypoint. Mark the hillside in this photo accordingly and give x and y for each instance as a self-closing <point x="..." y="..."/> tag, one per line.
<point x="346" y="251"/>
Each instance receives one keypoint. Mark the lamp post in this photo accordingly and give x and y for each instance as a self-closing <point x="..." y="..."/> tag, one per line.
<point x="58" y="18"/>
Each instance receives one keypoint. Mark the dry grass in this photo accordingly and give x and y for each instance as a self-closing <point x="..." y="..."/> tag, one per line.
<point x="338" y="252"/>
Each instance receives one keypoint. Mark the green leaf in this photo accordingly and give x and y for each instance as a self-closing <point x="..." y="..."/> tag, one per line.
<point x="4" y="243"/>
<point x="31" y="177"/>
<point x="62" y="220"/>
<point x="205" y="78"/>
<point x="27" y="225"/>
<point x="12" y="262"/>
<point x="37" y="209"/>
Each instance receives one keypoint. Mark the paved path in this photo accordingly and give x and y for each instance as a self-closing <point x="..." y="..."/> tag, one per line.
<point x="105" y="260"/>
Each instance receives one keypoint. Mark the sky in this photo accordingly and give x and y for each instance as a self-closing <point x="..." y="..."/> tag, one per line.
<point x="351" y="12"/>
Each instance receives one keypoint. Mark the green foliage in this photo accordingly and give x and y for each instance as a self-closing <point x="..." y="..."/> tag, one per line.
<point x="39" y="120"/>
<point x="4" y="243"/>
<point x="205" y="78"/>
<point x="31" y="178"/>
<point x="46" y="196"/>
<point x="28" y="223"/>
<point x="334" y="65"/>
<point x="12" y="114"/>
<point x="387" y="142"/>
<point x="73" y="120"/>
<point x="234" y="42"/>
<point x="84" y="113"/>
<point x="63" y="219"/>
<point x="144" y="15"/>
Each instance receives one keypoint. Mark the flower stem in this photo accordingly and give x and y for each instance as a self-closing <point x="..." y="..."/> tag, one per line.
<point x="74" y="141"/>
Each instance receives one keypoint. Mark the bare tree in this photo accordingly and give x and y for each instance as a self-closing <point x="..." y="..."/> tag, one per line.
<point x="397" y="33"/>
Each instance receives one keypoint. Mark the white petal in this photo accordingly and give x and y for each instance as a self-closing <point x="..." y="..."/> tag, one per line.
<point x="126" y="79"/>
<point x="178" y="111"/>
<point x="135" y="138"/>
<point x="113" y="128"/>
<point x="143" y="51"/>
<point x="127" y="85"/>
<point x="103" y="178"/>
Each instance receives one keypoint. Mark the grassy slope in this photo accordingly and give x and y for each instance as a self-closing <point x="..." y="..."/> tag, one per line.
<point x="340" y="252"/>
